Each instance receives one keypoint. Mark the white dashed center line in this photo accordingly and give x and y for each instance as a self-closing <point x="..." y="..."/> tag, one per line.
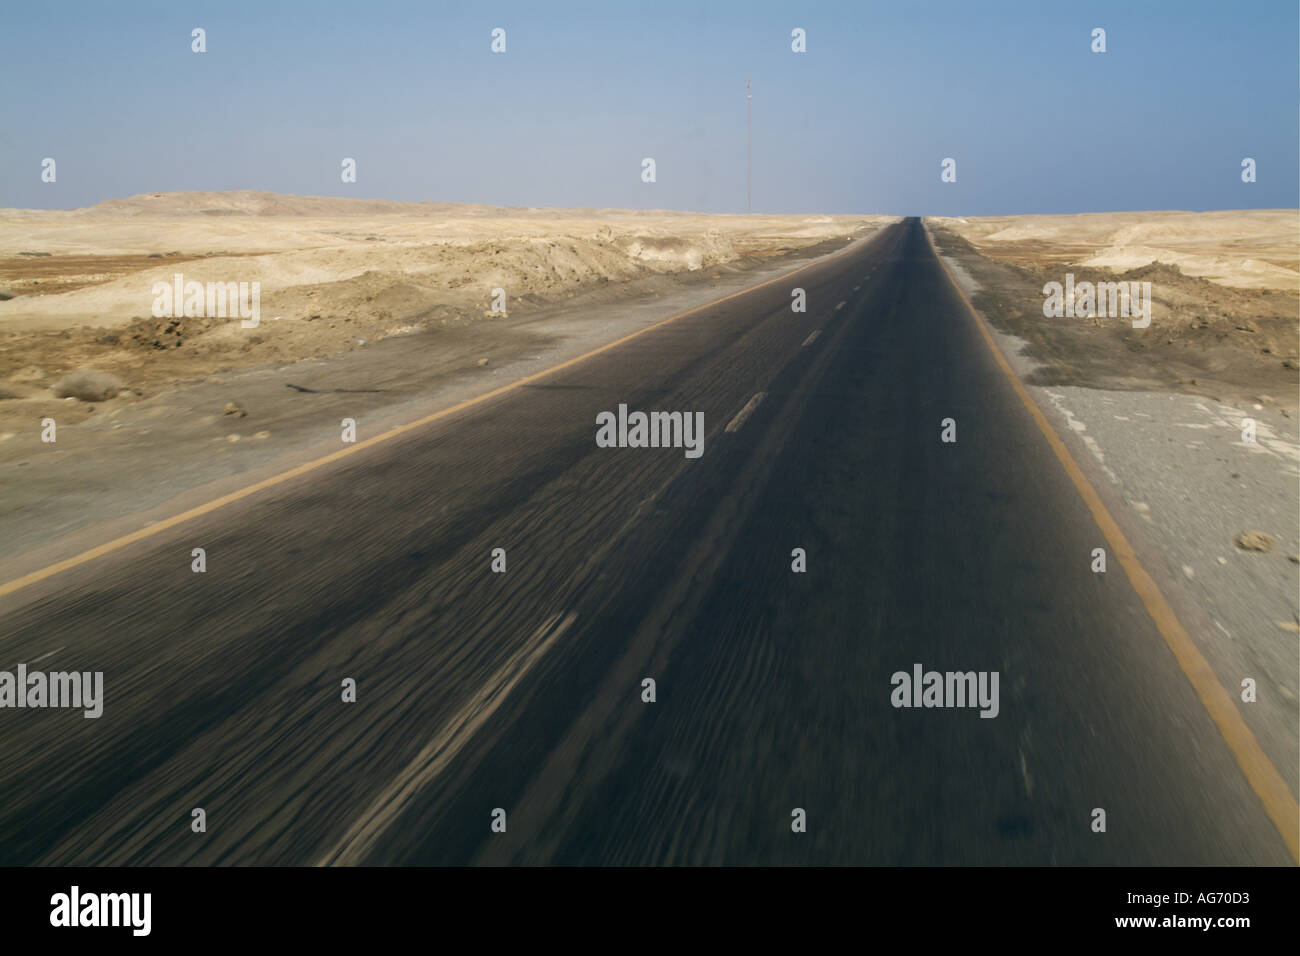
<point x="43" y="656"/>
<point x="813" y="335"/>
<point x="745" y="412"/>
<point x="840" y="306"/>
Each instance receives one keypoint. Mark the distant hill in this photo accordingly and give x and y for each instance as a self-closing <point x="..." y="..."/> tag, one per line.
<point x="249" y="202"/>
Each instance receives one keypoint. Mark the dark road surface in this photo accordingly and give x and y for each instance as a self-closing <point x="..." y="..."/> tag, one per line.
<point x="523" y="690"/>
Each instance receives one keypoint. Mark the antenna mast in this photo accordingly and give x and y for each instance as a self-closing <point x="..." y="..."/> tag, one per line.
<point x="749" y="96"/>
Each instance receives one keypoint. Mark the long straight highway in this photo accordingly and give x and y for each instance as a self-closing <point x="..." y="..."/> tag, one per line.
<point x="826" y="539"/>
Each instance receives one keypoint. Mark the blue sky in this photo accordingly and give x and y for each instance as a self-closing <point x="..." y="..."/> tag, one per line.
<point x="857" y="124"/>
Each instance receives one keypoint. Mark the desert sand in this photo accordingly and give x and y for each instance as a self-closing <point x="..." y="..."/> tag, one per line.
<point x="378" y="257"/>
<point x="1243" y="249"/>
<point x="76" y="286"/>
<point x="1224" y="287"/>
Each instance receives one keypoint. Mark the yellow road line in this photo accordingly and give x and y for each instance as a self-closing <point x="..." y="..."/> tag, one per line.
<point x="9" y="587"/>
<point x="1273" y="792"/>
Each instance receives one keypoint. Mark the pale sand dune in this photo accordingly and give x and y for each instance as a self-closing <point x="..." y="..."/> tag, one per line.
<point x="1247" y="249"/>
<point x="336" y="275"/>
<point x="455" y="253"/>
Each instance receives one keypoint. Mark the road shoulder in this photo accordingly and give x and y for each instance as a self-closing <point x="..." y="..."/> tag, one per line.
<point x="1173" y="470"/>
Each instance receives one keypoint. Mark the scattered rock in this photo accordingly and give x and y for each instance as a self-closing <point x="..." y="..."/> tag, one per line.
<point x="88" y="385"/>
<point x="481" y="362"/>
<point x="1254" y="541"/>
<point x="234" y="409"/>
<point x="262" y="435"/>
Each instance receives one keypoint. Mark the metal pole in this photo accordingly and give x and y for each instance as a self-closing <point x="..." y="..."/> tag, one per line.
<point x="748" y="125"/>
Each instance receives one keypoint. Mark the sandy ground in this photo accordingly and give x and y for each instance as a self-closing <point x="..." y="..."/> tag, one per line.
<point x="1225" y="318"/>
<point x="76" y="287"/>
<point x="1246" y="249"/>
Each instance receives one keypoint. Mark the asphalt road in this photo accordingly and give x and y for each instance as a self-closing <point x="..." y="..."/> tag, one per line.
<point x="523" y="690"/>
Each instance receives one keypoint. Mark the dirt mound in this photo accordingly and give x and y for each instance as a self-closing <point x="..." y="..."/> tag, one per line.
<point x="1249" y="249"/>
<point x="332" y="274"/>
<point x="88" y="385"/>
<point x="1204" y="338"/>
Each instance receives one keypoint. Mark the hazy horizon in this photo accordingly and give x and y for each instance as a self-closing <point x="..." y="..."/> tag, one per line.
<point x="857" y="124"/>
<point x="807" y="212"/>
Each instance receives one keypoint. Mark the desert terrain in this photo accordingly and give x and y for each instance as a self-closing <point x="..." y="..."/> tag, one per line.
<point x="335" y="275"/>
<point x="1242" y="249"/>
<point x="1225" y="285"/>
